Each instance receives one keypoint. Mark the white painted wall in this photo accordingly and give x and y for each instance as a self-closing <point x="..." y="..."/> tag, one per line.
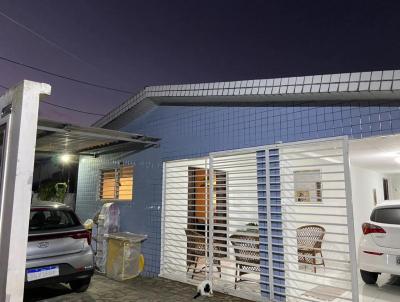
<point x="394" y="183"/>
<point x="363" y="182"/>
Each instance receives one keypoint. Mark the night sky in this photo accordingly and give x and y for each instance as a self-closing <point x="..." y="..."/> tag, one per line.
<point x="132" y="44"/>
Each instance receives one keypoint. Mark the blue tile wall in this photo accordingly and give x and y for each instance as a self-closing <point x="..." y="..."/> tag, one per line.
<point x="262" y="223"/>
<point x="276" y="225"/>
<point x="195" y="131"/>
<point x="142" y="215"/>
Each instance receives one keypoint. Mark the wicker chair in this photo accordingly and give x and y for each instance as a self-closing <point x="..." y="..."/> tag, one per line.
<point x="248" y="260"/>
<point x="309" y="244"/>
<point x="196" y="249"/>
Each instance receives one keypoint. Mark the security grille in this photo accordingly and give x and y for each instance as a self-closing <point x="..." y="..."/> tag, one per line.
<point x="185" y="221"/>
<point x="275" y="225"/>
<point x="236" y="239"/>
<point x="312" y="220"/>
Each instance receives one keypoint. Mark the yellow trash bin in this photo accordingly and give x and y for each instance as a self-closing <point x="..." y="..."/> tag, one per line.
<point x="124" y="258"/>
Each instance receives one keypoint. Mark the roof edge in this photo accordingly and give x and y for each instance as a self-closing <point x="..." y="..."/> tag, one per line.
<point x="301" y="88"/>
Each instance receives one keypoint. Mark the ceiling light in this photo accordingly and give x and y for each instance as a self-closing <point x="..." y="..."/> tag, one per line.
<point x="397" y="160"/>
<point x="65" y="158"/>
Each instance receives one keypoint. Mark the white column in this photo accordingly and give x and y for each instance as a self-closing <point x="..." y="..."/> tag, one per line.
<point x="16" y="183"/>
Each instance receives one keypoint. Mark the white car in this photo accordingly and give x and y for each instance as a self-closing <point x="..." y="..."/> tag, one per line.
<point x="379" y="250"/>
<point x="58" y="248"/>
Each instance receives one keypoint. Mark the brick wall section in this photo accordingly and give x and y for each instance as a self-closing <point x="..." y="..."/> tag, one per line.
<point x="194" y="131"/>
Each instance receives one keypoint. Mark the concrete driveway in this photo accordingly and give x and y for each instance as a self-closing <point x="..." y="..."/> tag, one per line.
<point x="138" y="289"/>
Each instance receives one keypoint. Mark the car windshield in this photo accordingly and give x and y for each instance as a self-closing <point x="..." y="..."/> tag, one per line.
<point x="386" y="215"/>
<point x="50" y="219"/>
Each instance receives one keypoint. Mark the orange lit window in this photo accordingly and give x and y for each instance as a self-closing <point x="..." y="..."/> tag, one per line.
<point x="117" y="184"/>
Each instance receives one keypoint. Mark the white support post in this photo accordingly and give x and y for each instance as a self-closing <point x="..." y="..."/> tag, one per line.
<point x="16" y="183"/>
<point x="164" y="180"/>
<point x="211" y="220"/>
<point x="350" y="222"/>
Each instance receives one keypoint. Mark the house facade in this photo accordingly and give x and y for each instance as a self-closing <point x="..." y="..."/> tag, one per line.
<point x="196" y="120"/>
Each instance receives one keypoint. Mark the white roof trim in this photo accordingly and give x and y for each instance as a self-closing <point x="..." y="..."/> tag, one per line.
<point x="303" y="88"/>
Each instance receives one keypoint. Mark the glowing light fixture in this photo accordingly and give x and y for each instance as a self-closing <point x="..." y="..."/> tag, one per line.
<point x="397" y="160"/>
<point x="65" y="158"/>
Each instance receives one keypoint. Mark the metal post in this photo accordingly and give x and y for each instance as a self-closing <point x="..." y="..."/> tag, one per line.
<point x="211" y="220"/>
<point x="164" y="172"/>
<point x="350" y="221"/>
<point x="269" y="228"/>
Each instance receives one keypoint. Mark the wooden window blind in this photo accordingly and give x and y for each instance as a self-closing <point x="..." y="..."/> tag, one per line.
<point x="117" y="184"/>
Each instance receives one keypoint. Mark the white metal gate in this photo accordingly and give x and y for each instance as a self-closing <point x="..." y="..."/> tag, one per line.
<point x="185" y="234"/>
<point x="277" y="221"/>
<point x="236" y="248"/>
<point x="310" y="193"/>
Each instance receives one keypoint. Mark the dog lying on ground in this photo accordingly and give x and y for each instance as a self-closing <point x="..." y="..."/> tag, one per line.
<point x="204" y="289"/>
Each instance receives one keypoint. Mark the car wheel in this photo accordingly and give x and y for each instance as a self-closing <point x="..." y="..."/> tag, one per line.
<point x="80" y="285"/>
<point x="368" y="277"/>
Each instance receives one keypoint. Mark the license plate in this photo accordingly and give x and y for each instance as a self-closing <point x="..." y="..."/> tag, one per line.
<point x="398" y="260"/>
<point x="33" y="274"/>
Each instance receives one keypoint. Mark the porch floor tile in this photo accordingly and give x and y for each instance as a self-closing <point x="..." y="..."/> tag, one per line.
<point x="138" y="289"/>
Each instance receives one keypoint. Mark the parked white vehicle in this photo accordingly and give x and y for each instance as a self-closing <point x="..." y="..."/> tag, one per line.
<point x="379" y="250"/>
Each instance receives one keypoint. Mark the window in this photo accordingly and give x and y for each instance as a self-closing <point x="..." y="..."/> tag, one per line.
<point x="308" y="186"/>
<point x="51" y="219"/>
<point x="117" y="184"/>
<point x="389" y="215"/>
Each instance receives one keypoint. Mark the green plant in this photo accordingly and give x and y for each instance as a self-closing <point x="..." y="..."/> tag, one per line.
<point x="51" y="190"/>
<point x="47" y="190"/>
<point x="61" y="190"/>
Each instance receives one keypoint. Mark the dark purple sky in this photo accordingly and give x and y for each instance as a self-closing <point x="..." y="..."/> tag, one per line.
<point x="131" y="44"/>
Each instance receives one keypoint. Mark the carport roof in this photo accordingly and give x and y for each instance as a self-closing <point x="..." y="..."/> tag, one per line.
<point x="55" y="137"/>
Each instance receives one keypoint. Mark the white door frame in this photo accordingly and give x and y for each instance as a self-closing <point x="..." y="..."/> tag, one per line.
<point x="19" y="108"/>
